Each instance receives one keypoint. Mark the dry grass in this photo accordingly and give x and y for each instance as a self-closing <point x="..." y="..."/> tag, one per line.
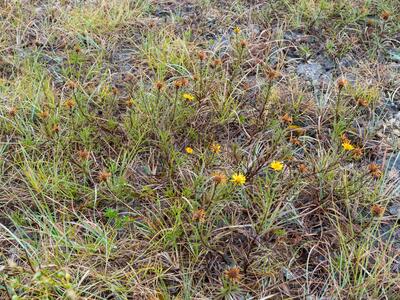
<point x="170" y="150"/>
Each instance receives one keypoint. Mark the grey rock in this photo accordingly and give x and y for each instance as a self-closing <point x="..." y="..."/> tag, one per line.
<point x="311" y="71"/>
<point x="347" y="62"/>
<point x="394" y="210"/>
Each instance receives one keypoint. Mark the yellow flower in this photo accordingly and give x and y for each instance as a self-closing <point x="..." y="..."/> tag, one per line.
<point x="276" y="165"/>
<point x="236" y="30"/>
<point x="189" y="150"/>
<point x="238" y="179"/>
<point x="188" y="97"/>
<point x="347" y="146"/>
<point x="215" y="148"/>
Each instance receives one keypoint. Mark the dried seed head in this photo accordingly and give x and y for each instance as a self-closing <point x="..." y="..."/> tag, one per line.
<point x="129" y="103"/>
<point x="233" y="274"/>
<point x="373" y="167"/>
<point x="287" y="119"/>
<point x="83" y="154"/>
<point x="362" y="102"/>
<point x="295" y="141"/>
<point x="377" y="210"/>
<point x="44" y="114"/>
<point x="104" y="175"/>
<point x="181" y="83"/>
<point x="357" y="152"/>
<point x="273" y="74"/>
<point x="216" y="62"/>
<point x="72" y="84"/>
<point x="342" y="82"/>
<point x="12" y="111"/>
<point x="375" y="170"/>
<point x="243" y="43"/>
<point x="178" y="84"/>
<point x="184" y="81"/>
<point x="160" y="85"/>
<point x="199" y="215"/>
<point x="55" y="128"/>
<point x="385" y="15"/>
<point x="69" y="104"/>
<point x="202" y="55"/>
<point x="303" y="168"/>
<point x="219" y="178"/>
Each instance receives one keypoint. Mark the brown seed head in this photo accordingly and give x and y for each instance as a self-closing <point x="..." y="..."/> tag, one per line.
<point x="303" y="168"/>
<point x="342" y="82"/>
<point x="55" y="128"/>
<point x="295" y="141"/>
<point x="12" y="111"/>
<point x="130" y="102"/>
<point x="377" y="210"/>
<point x="287" y="119"/>
<point x="357" y="152"/>
<point x="219" y="177"/>
<point x="385" y="15"/>
<point x="375" y="170"/>
<point x="233" y="274"/>
<point x="362" y="102"/>
<point x="243" y="43"/>
<point x="184" y="81"/>
<point x="72" y="84"/>
<point x="199" y="215"/>
<point x="178" y="84"/>
<point x="83" y="154"/>
<point x="69" y="104"/>
<point x="373" y="167"/>
<point x="104" y="175"/>
<point x="202" y="55"/>
<point x="273" y="74"/>
<point x="160" y="85"/>
<point x="44" y="114"/>
<point x="216" y="62"/>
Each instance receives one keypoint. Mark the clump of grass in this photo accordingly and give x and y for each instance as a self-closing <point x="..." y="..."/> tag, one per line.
<point x="140" y="160"/>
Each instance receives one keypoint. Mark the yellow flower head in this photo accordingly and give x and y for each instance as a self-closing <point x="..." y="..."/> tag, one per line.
<point x="276" y="165"/>
<point x="238" y="179"/>
<point x="188" y="97"/>
<point x="347" y="146"/>
<point x="236" y="30"/>
<point x="189" y="150"/>
<point x="215" y="148"/>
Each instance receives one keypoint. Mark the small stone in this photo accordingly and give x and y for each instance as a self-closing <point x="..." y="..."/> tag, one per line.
<point x="395" y="210"/>
<point x="311" y="71"/>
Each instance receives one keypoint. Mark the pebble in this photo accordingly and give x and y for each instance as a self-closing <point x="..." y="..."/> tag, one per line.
<point x="311" y="71"/>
